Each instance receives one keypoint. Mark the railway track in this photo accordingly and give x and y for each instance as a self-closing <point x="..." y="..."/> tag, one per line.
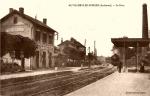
<point x="55" y="85"/>
<point x="75" y="84"/>
<point x="22" y="80"/>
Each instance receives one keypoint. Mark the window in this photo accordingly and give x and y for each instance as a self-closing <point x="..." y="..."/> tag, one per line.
<point x="15" y="20"/>
<point x="44" y="38"/>
<point x="50" y="39"/>
<point x="37" y="36"/>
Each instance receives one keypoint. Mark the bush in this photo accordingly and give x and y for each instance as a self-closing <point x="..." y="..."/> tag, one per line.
<point x="9" y="67"/>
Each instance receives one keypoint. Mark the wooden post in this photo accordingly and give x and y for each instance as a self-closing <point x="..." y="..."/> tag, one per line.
<point x="89" y="55"/>
<point x="124" y="57"/>
<point x="137" y="55"/>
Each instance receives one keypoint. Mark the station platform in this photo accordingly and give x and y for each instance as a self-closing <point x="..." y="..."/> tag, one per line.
<point x="118" y="84"/>
<point x="28" y="73"/>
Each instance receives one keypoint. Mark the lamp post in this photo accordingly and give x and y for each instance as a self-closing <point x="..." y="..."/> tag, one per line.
<point x="137" y="56"/>
<point x="89" y="58"/>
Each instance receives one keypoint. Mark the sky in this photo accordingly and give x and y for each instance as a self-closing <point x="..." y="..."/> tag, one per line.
<point x="93" y="23"/>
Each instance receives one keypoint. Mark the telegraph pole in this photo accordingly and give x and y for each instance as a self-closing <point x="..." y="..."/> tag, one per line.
<point x="89" y="58"/>
<point x="95" y="52"/>
<point x="85" y="43"/>
<point x="95" y="48"/>
<point x="85" y="52"/>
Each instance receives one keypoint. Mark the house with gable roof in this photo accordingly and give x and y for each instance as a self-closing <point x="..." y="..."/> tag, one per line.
<point x="16" y="22"/>
<point x="73" y="50"/>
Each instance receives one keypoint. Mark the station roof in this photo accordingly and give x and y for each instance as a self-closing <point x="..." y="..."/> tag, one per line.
<point x="130" y="42"/>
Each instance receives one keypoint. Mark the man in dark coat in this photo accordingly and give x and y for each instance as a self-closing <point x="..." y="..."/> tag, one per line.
<point x="119" y="66"/>
<point x="142" y="69"/>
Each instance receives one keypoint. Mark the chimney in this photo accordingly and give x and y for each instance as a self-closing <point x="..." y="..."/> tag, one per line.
<point x="21" y="10"/>
<point x="145" y="23"/>
<point x="44" y="20"/>
<point x="10" y="10"/>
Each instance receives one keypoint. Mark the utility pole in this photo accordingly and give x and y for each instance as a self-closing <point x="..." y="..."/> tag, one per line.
<point x="89" y="58"/>
<point x="85" y="52"/>
<point x="85" y="43"/>
<point x="89" y="49"/>
<point x="95" y="51"/>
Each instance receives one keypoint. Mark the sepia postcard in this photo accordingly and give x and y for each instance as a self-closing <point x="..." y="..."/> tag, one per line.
<point x="74" y="48"/>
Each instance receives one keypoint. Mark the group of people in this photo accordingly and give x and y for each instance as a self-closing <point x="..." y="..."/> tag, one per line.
<point x="117" y="62"/>
<point x="120" y="66"/>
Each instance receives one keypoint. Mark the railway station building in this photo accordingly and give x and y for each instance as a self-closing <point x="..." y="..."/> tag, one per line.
<point x="16" y="22"/>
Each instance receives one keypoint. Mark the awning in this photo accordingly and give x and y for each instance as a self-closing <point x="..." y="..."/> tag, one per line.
<point x="130" y="42"/>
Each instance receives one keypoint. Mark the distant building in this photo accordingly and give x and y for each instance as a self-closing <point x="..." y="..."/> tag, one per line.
<point x="74" y="44"/>
<point x="102" y="59"/>
<point x="18" y="23"/>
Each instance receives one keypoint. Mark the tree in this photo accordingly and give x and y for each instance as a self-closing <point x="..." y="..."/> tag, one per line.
<point x="19" y="44"/>
<point x="8" y="43"/>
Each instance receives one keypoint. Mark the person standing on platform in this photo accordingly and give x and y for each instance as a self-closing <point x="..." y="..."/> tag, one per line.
<point x="119" y="66"/>
<point x="142" y="69"/>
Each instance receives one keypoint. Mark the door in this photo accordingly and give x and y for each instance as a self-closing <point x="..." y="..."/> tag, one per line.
<point x="37" y="59"/>
<point x="44" y="60"/>
<point x="50" y="59"/>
